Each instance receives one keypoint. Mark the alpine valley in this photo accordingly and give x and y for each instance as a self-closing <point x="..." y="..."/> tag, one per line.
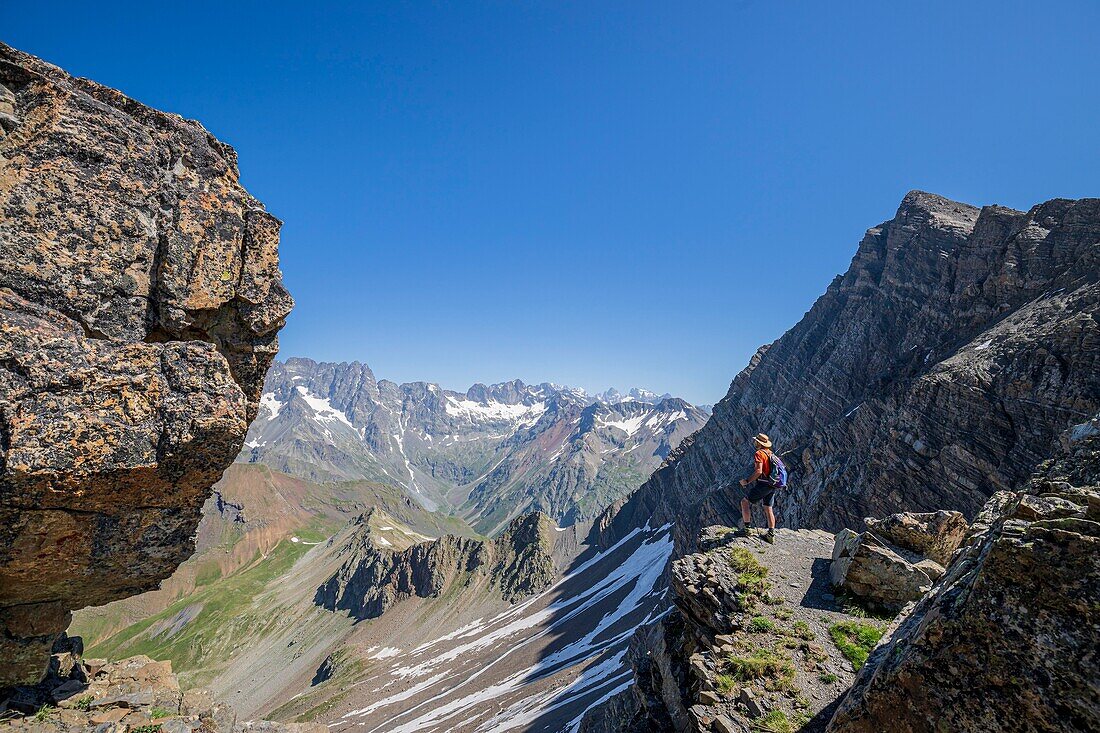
<point x="200" y="539"/>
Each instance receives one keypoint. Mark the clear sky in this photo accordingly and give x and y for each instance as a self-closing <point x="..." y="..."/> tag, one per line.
<point x="594" y="193"/>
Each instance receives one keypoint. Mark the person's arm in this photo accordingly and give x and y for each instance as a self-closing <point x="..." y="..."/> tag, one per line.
<point x="758" y="471"/>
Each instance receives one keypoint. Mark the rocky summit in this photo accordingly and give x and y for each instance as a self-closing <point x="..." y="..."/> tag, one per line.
<point x="788" y="636"/>
<point x="937" y="371"/>
<point x="748" y="644"/>
<point x="140" y="299"/>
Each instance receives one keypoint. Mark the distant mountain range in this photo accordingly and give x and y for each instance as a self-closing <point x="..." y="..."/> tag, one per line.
<point x="487" y="455"/>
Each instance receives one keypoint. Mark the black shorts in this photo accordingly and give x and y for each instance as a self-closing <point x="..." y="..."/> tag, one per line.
<point x="759" y="491"/>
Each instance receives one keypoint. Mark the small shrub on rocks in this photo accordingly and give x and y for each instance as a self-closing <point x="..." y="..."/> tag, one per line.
<point x="760" y="625"/>
<point x="802" y="630"/>
<point x="773" y="721"/>
<point x="768" y="665"/>
<point x="855" y="640"/>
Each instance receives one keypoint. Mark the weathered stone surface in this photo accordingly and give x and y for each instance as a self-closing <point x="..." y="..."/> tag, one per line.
<point x="140" y="299"/>
<point x="934" y="535"/>
<point x="866" y="567"/>
<point x="136" y="693"/>
<point x="938" y="370"/>
<point x="1007" y="639"/>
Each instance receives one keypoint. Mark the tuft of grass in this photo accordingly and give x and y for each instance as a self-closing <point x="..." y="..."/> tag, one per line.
<point x="767" y="665"/>
<point x="828" y="678"/>
<point x="855" y="640"/>
<point x="44" y="713"/>
<point x="750" y="573"/>
<point x="152" y="728"/>
<point x="802" y="630"/>
<point x="159" y="712"/>
<point x="782" y="613"/>
<point x="761" y="625"/>
<point x="726" y="684"/>
<point x="773" y="721"/>
<point x="85" y="703"/>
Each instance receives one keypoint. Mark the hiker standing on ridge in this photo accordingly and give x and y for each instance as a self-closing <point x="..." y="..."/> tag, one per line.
<point x="768" y="475"/>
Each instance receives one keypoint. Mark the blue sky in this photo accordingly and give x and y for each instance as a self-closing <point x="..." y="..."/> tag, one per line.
<point x="594" y="193"/>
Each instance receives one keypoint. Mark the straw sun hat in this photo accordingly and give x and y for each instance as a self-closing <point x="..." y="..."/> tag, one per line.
<point x="762" y="440"/>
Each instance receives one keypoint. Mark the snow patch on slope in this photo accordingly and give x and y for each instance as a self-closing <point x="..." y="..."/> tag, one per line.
<point x="493" y="411"/>
<point x="322" y="408"/>
<point x="271" y="404"/>
<point x="592" y="627"/>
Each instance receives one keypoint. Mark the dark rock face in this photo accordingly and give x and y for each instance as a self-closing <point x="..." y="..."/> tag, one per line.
<point x="937" y="371"/>
<point x="1007" y="639"/>
<point x="140" y="299"/>
<point x="372" y="578"/>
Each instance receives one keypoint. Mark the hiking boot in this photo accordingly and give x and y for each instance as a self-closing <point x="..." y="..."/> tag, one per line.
<point x="769" y="536"/>
<point x="744" y="531"/>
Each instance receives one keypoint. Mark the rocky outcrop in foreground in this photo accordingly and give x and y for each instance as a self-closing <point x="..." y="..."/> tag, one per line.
<point x="1007" y="639"/>
<point x="897" y="559"/>
<point x="135" y="694"/>
<point x="140" y="298"/>
<point x="937" y="371"/>
<point x="749" y="645"/>
<point x="375" y="574"/>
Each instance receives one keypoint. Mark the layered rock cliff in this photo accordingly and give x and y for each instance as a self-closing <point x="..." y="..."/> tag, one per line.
<point x="379" y="571"/>
<point x="938" y="370"/>
<point x="140" y="298"/>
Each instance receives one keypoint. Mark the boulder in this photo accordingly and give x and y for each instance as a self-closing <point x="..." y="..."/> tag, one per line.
<point x="136" y="693"/>
<point x="933" y="535"/>
<point x="866" y="567"/>
<point x="140" y="302"/>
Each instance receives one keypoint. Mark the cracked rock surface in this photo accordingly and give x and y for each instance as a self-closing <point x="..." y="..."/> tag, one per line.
<point x="140" y="301"/>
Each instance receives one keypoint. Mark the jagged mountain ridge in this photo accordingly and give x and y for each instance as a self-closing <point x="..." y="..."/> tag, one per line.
<point x="938" y="369"/>
<point x="490" y="453"/>
<point x="383" y="563"/>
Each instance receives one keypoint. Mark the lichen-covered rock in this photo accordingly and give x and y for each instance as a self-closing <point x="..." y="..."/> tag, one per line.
<point x="140" y="301"/>
<point x="1007" y="639"/>
<point x="135" y="694"/>
<point x="865" y="567"/>
<point x="934" y="535"/>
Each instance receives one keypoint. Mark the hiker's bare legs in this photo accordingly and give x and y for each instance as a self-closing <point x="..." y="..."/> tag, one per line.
<point x="768" y="512"/>
<point x="746" y="512"/>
